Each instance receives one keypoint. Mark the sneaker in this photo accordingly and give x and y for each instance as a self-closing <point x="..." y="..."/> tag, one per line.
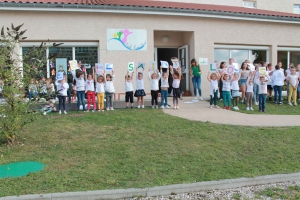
<point x="59" y="112"/>
<point x="234" y="107"/>
<point x="195" y="98"/>
<point x="181" y="98"/>
<point x="143" y="106"/>
<point x="260" y="110"/>
<point x="275" y="102"/>
<point x="237" y="108"/>
<point x="251" y="108"/>
<point x="290" y="104"/>
<point x="247" y="108"/>
<point x="210" y="107"/>
<point x="86" y="111"/>
<point x="224" y="107"/>
<point x="256" y="103"/>
<point x="131" y="107"/>
<point x="162" y="107"/>
<point x="264" y="111"/>
<point x="156" y="107"/>
<point x="201" y="98"/>
<point x="177" y="107"/>
<point x="126" y="107"/>
<point x="107" y="108"/>
<point x="242" y="101"/>
<point x="217" y="107"/>
<point x="102" y="110"/>
<point x="221" y="100"/>
<point x="99" y="110"/>
<point x="93" y="110"/>
<point x="152" y="107"/>
<point x="228" y="108"/>
<point x="139" y="106"/>
<point x="111" y="108"/>
<point x="280" y="103"/>
<point x="167" y="106"/>
<point x="65" y="112"/>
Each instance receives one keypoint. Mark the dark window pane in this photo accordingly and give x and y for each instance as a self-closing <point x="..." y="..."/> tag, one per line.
<point x="257" y="56"/>
<point x="88" y="56"/>
<point x="295" y="58"/>
<point x="282" y="57"/>
<point x="221" y="55"/>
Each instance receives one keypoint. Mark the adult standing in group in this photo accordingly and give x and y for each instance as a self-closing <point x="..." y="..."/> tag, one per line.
<point x="195" y="73"/>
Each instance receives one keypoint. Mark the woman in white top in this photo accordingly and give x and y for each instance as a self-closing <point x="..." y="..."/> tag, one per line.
<point x="154" y="79"/>
<point x="140" y="92"/>
<point x="62" y="89"/>
<point x="213" y="78"/>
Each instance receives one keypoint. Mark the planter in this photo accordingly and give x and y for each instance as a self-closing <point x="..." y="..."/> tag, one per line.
<point x="186" y="93"/>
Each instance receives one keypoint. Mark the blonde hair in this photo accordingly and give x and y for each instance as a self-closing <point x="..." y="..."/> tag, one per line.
<point x="154" y="74"/>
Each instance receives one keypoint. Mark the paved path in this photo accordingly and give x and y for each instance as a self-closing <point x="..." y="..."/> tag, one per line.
<point x="200" y="111"/>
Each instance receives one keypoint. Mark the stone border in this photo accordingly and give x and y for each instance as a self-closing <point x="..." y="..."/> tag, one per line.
<point x="161" y="190"/>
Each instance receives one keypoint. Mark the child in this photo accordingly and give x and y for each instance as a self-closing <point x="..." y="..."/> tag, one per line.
<point x="90" y="90"/>
<point x="79" y="87"/>
<point x="42" y="87"/>
<point x="270" y="88"/>
<point x="286" y="74"/>
<point x="249" y="92"/>
<point x="109" y="91"/>
<point x="221" y="71"/>
<point x="293" y="86"/>
<point x="164" y="87"/>
<point x="100" y="83"/>
<point x="278" y="82"/>
<point x="244" y="72"/>
<point x="235" y="90"/>
<point x="32" y="89"/>
<point x="176" y="82"/>
<point x="48" y="109"/>
<point x="139" y="92"/>
<point x="255" y="89"/>
<point x="74" y="91"/>
<point x="51" y="88"/>
<point x="62" y="89"/>
<point x="226" y="90"/>
<point x="213" y="79"/>
<point x="262" y="91"/>
<point x="129" y="89"/>
<point x="154" y="78"/>
<point x="298" y="72"/>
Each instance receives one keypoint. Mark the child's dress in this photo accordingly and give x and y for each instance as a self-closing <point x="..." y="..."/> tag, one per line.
<point x="140" y="90"/>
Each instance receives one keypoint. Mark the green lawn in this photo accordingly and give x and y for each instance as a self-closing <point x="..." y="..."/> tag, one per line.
<point x="271" y="108"/>
<point x="141" y="148"/>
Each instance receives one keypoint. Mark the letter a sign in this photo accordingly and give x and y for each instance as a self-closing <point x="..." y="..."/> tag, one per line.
<point x="131" y="67"/>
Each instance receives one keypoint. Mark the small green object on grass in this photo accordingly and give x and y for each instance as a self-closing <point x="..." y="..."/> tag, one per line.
<point x="18" y="169"/>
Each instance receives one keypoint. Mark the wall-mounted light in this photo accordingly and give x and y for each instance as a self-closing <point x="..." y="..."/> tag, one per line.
<point x="165" y="38"/>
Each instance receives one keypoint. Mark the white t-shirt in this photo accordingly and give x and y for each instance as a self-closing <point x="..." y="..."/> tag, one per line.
<point x="128" y="86"/>
<point x="235" y="85"/>
<point x="165" y="82"/>
<point x="63" y="88"/>
<point x="100" y="87"/>
<point x="293" y="79"/>
<point x="226" y="86"/>
<point x="175" y="83"/>
<point x="249" y="86"/>
<point x="213" y="87"/>
<point x="89" y="85"/>
<point x="140" y="84"/>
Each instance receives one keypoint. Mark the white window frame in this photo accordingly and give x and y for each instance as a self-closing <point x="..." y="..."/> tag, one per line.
<point x="249" y="48"/>
<point x="296" y="10"/>
<point x="246" y="2"/>
<point x="65" y="44"/>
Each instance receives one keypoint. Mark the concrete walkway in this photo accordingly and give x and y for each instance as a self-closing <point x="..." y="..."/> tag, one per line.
<point x="200" y="111"/>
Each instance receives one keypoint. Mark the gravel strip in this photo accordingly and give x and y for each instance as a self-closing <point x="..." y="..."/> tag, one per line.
<point x="249" y="192"/>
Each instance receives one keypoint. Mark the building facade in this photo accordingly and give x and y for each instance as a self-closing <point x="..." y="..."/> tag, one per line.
<point x="156" y="31"/>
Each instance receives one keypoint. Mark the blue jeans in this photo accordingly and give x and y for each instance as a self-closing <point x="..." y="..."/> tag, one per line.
<point x="262" y="101"/>
<point x="197" y="84"/>
<point x="80" y="98"/>
<point x="164" y="97"/>
<point x="32" y="94"/>
<point x="255" y="92"/>
<point x="278" y="93"/>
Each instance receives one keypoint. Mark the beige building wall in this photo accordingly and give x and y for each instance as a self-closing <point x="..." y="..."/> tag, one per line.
<point x="276" y="5"/>
<point x="203" y="34"/>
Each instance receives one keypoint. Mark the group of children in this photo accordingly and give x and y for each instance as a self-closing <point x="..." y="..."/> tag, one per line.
<point x="253" y="85"/>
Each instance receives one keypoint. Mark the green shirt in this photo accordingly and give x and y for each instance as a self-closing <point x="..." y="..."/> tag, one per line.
<point x="196" y="70"/>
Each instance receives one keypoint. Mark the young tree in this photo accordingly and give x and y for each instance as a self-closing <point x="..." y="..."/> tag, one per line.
<point x="16" y="75"/>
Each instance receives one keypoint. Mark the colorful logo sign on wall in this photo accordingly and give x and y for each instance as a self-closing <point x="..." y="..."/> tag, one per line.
<point x="127" y="39"/>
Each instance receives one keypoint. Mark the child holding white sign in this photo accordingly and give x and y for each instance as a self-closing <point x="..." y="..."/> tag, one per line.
<point x="62" y="89"/>
<point x="100" y="83"/>
<point x="154" y="78"/>
<point x="140" y="92"/>
<point x="213" y="78"/>
<point x="176" y="83"/>
<point x="109" y="91"/>
<point x="129" y="89"/>
<point x="164" y="87"/>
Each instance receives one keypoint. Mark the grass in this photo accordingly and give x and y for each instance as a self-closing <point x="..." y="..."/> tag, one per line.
<point x="143" y="148"/>
<point x="271" y="108"/>
<point x="292" y="192"/>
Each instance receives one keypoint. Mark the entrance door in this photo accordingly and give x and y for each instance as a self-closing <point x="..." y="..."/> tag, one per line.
<point x="183" y="56"/>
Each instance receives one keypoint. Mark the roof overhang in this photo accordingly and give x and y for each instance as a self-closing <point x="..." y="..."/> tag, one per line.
<point x="116" y="9"/>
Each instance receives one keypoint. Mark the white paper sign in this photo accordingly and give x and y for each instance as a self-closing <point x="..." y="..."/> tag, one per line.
<point x="236" y="67"/>
<point x="262" y="71"/>
<point x="59" y="76"/>
<point x="203" y="61"/>
<point x="109" y="67"/>
<point x="213" y="67"/>
<point x="73" y="64"/>
<point x="251" y="67"/>
<point x="153" y="65"/>
<point x="164" y="64"/>
<point x="130" y="67"/>
<point x="99" y="68"/>
<point x="230" y="69"/>
<point x="176" y="63"/>
<point x="141" y="65"/>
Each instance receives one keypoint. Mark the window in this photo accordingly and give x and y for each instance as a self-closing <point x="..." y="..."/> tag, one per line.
<point x="297" y="9"/>
<point x="249" y="4"/>
<point x="287" y="56"/>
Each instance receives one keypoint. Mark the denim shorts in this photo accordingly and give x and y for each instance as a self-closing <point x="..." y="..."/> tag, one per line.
<point x="243" y="81"/>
